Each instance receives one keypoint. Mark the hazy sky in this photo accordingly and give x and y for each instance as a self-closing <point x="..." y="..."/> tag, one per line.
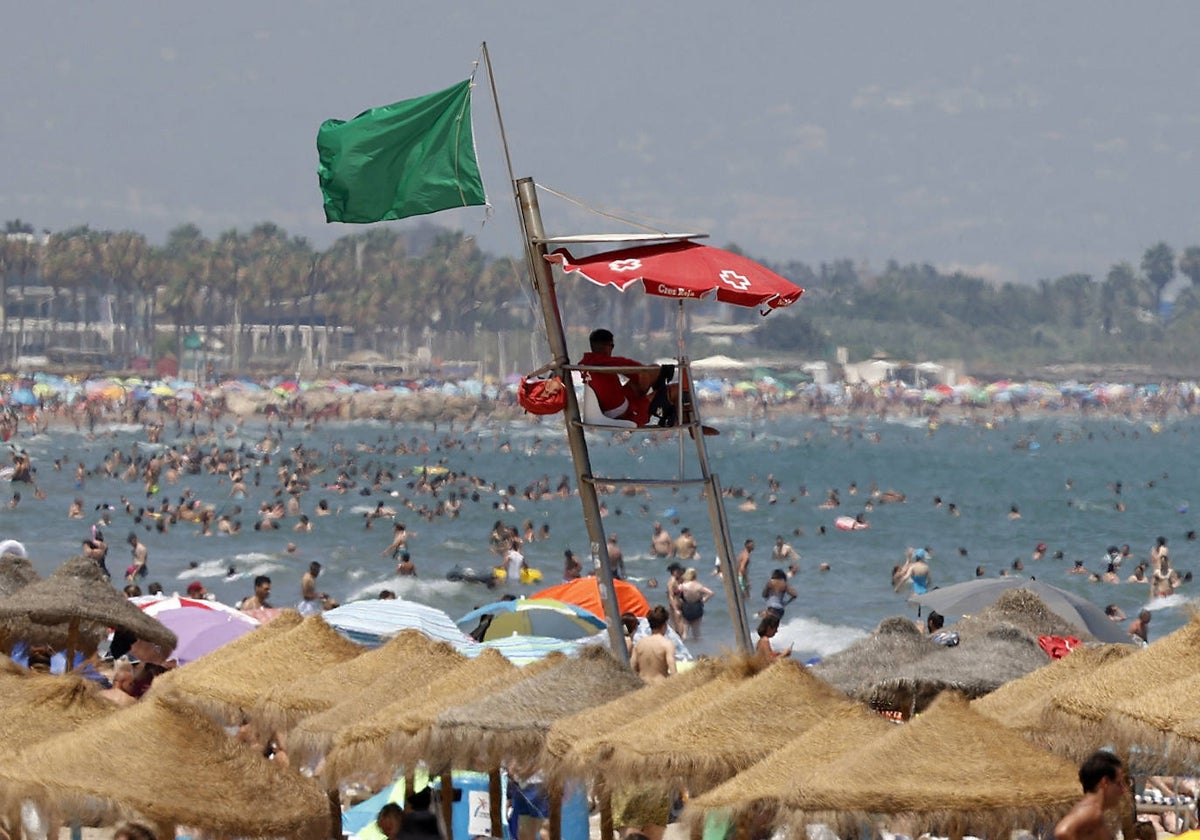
<point x="1019" y="140"/>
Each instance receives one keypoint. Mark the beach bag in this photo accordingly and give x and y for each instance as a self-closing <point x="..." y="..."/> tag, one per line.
<point x="542" y="396"/>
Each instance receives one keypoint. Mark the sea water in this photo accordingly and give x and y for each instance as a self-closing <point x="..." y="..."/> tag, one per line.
<point x="1065" y="474"/>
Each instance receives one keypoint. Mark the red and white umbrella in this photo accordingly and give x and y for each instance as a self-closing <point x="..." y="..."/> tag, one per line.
<point x="685" y="270"/>
<point x="156" y="604"/>
<point x="201" y="626"/>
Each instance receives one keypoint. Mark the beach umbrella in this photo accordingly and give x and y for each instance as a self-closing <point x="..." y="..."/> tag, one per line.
<point x="511" y="725"/>
<point x="762" y="789"/>
<point x="585" y="592"/>
<point x="947" y="767"/>
<point x="726" y="735"/>
<point x="534" y="617"/>
<point x="1022" y="704"/>
<point x="38" y="707"/>
<point x="684" y="270"/>
<point x="398" y="734"/>
<point x="75" y="607"/>
<point x="201" y="631"/>
<point x="384" y="669"/>
<point x="859" y="666"/>
<point x="522" y="650"/>
<point x="406" y="671"/>
<point x="973" y="668"/>
<point x="572" y="742"/>
<point x="156" y="604"/>
<point x="16" y="572"/>
<point x="164" y="762"/>
<point x="374" y="621"/>
<point x="1016" y="608"/>
<point x="23" y="396"/>
<point x="973" y="596"/>
<point x="230" y="686"/>
<point x="1078" y="713"/>
<point x="1162" y="725"/>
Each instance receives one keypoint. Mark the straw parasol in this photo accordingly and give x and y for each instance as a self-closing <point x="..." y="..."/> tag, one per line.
<point x="1021" y="704"/>
<point x="1024" y="609"/>
<point x="511" y="725"/>
<point x="163" y="761"/>
<point x="398" y="734"/>
<point x="726" y="735"/>
<point x="975" y="667"/>
<point x="402" y="658"/>
<point x="1163" y="725"/>
<point x="947" y="767"/>
<point x="762" y="788"/>
<point x="858" y="667"/>
<point x="573" y="741"/>
<point x="1078" y="712"/>
<point x="408" y="679"/>
<point x="16" y="572"/>
<point x="229" y="687"/>
<point x="74" y="608"/>
<point x="40" y="706"/>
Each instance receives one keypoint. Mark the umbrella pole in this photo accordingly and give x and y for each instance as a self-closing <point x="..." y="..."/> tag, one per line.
<point x="335" y="813"/>
<point x="555" y="796"/>
<point x="495" y="803"/>
<point x="604" y="795"/>
<point x="447" y="803"/>
<point x="72" y="643"/>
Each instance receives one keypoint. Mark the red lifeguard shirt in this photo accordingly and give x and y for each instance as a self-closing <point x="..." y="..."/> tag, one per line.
<point x="610" y="391"/>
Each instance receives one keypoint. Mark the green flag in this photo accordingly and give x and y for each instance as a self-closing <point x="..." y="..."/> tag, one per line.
<point x="406" y="159"/>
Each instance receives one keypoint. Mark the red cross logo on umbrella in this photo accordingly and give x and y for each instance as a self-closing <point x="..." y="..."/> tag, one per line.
<point x="625" y="265"/>
<point x="738" y="281"/>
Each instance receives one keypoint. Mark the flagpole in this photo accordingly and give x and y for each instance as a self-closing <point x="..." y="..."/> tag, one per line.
<point x="542" y="277"/>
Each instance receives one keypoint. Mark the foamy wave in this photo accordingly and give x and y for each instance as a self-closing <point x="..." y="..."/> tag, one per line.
<point x="408" y="588"/>
<point x="810" y="636"/>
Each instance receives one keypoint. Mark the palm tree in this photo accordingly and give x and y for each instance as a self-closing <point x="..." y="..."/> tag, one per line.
<point x="187" y="268"/>
<point x="1158" y="264"/>
<point x="231" y="266"/>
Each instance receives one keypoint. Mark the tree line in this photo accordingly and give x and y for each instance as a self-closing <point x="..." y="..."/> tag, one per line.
<point x="391" y="291"/>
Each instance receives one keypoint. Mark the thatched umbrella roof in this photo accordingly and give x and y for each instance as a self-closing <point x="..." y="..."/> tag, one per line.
<point x="40" y="706"/>
<point x="1163" y="724"/>
<point x="1024" y="609"/>
<point x="1021" y="704"/>
<point x="165" y="762"/>
<point x="735" y="672"/>
<point x="401" y="658"/>
<point x="408" y="680"/>
<point x="512" y="724"/>
<point x="762" y="788"/>
<point x="230" y="686"/>
<point x="1078" y="712"/>
<point x="573" y="742"/>
<point x="858" y="667"/>
<point x="728" y="734"/>
<point x="976" y="666"/>
<point x="949" y="762"/>
<point x="398" y="734"/>
<point x="76" y="593"/>
<point x="16" y="572"/>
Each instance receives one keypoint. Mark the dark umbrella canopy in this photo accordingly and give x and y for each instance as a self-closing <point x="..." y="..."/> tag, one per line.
<point x="77" y="594"/>
<point x="973" y="596"/>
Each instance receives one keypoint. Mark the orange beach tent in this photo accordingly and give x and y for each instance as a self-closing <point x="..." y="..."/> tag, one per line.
<point x="585" y="592"/>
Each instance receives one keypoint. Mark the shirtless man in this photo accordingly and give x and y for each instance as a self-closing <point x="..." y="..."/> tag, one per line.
<point x="653" y="657"/>
<point x="743" y="568"/>
<point x="661" y="544"/>
<point x="1105" y="783"/>
<point x="685" y="547"/>
<point x="262" y="591"/>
